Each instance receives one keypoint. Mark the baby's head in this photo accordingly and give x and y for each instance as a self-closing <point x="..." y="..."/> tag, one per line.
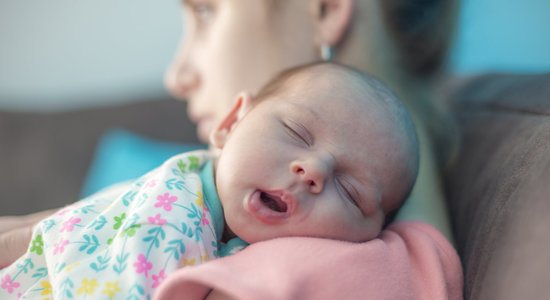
<point x="322" y="151"/>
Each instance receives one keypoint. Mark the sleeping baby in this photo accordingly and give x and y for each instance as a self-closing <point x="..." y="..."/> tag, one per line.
<point x="321" y="151"/>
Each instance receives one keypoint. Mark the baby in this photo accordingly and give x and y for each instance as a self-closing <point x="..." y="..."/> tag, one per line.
<point x="322" y="151"/>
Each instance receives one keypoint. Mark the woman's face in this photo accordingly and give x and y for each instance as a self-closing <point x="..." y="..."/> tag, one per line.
<point x="234" y="45"/>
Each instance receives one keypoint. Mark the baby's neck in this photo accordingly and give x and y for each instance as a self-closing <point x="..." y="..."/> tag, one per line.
<point x="227" y="234"/>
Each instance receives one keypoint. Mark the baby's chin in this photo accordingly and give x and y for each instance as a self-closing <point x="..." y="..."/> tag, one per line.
<point x="254" y="234"/>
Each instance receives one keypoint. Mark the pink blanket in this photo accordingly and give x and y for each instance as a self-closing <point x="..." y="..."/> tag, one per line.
<point x="410" y="260"/>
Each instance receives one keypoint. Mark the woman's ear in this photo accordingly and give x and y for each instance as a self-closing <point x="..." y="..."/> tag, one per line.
<point x="218" y="137"/>
<point x="333" y="19"/>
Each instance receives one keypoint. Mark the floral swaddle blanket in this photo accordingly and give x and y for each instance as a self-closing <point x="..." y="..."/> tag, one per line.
<point x="120" y="243"/>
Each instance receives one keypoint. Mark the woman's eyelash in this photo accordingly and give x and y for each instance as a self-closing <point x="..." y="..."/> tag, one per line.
<point x="202" y="10"/>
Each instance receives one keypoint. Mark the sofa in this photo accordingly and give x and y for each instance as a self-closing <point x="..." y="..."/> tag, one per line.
<point x="498" y="185"/>
<point x="46" y="158"/>
<point x="498" y="188"/>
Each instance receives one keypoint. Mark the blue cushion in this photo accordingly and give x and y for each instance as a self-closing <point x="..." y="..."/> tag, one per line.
<point x="122" y="155"/>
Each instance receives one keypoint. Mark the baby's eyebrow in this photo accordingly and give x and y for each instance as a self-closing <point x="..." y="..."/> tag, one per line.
<point x="306" y="109"/>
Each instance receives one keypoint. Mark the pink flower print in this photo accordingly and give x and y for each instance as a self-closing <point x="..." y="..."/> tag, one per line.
<point x="8" y="284"/>
<point x="69" y="224"/>
<point x="151" y="183"/>
<point x="165" y="201"/>
<point x="60" y="246"/>
<point x="204" y="220"/>
<point x="158" y="279"/>
<point x="142" y="265"/>
<point x="156" y="220"/>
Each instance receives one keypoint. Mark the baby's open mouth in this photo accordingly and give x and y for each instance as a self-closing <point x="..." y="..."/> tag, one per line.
<point x="273" y="202"/>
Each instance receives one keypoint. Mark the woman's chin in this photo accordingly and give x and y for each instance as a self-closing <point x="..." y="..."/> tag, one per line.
<point x="203" y="130"/>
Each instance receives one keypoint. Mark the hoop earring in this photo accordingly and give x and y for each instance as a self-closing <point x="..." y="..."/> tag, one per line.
<point x="326" y="52"/>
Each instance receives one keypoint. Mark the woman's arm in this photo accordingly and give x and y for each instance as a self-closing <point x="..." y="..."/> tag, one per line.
<point x="15" y="235"/>
<point x="427" y="201"/>
<point x="9" y="223"/>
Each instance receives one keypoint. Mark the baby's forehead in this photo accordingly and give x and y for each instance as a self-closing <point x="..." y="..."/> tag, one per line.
<point x="330" y="78"/>
<point x="339" y="95"/>
<point x="342" y="99"/>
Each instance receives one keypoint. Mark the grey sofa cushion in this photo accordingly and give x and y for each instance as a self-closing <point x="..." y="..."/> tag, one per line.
<point x="44" y="158"/>
<point x="499" y="187"/>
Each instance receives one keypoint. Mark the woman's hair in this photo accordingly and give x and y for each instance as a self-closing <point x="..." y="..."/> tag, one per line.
<point x="422" y="31"/>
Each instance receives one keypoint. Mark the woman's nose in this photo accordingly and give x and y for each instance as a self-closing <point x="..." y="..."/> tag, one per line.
<point x="182" y="80"/>
<point x="312" y="173"/>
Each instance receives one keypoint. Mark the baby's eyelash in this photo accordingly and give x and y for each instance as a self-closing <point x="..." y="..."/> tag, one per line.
<point x="348" y="190"/>
<point x="296" y="135"/>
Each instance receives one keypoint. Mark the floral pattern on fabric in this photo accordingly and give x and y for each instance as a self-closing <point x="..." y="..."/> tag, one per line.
<point x="120" y="243"/>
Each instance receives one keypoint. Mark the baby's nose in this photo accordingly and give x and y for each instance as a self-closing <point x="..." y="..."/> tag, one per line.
<point x="312" y="173"/>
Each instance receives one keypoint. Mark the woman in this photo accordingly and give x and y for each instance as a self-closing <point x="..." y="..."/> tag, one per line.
<point x="233" y="45"/>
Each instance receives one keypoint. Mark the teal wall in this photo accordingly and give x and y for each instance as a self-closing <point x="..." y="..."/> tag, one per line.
<point x="503" y="35"/>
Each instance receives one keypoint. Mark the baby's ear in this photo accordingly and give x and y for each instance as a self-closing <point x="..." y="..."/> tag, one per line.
<point x="219" y="135"/>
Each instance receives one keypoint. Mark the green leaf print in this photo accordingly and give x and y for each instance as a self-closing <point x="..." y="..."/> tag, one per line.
<point x="176" y="248"/>
<point x="121" y="264"/>
<point x="194" y="213"/>
<point x="198" y="233"/>
<point x="119" y="220"/>
<point x="182" y="166"/>
<point x="186" y="230"/>
<point x="40" y="273"/>
<point x="101" y="264"/>
<point x="24" y="267"/>
<point x="99" y="222"/>
<point x="154" y="236"/>
<point x="131" y="231"/>
<point x="175" y="184"/>
<point x="66" y="286"/>
<point x="128" y="198"/>
<point x="90" y="243"/>
<point x="48" y="224"/>
<point x="59" y="267"/>
<point x="193" y="163"/>
<point x="87" y="208"/>
<point x="136" y="292"/>
<point x="37" y="245"/>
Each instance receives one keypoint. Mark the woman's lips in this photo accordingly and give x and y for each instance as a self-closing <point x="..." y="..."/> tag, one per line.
<point x="270" y="206"/>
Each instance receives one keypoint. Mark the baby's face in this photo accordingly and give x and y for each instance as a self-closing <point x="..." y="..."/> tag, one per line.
<point x="306" y="164"/>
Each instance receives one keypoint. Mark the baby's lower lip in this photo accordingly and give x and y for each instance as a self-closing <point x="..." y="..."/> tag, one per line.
<point x="255" y="206"/>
